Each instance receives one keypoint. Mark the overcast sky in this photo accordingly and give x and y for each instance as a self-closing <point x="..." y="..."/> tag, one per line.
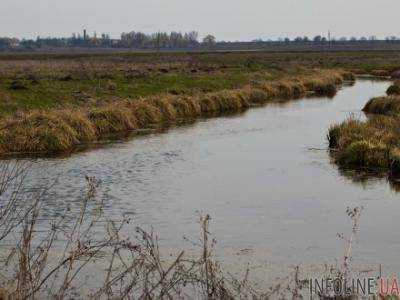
<point x="226" y="19"/>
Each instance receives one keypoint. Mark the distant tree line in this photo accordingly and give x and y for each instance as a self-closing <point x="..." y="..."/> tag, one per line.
<point x="133" y="39"/>
<point x="322" y="39"/>
<point x="171" y="40"/>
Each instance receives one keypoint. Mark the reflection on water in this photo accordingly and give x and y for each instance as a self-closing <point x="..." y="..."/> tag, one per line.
<point x="264" y="176"/>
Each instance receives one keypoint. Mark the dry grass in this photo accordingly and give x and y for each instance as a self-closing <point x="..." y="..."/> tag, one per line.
<point x="61" y="130"/>
<point x="383" y="106"/>
<point x="85" y="129"/>
<point x="146" y="114"/>
<point x="112" y="119"/>
<point x="164" y="104"/>
<point x="372" y="145"/>
<point x="38" y="132"/>
<point x="186" y="107"/>
<point x="394" y="89"/>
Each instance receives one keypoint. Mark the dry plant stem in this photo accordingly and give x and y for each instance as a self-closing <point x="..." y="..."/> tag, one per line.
<point x="134" y="270"/>
<point x="355" y="215"/>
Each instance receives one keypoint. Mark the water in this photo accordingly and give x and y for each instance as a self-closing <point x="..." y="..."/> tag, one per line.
<point x="264" y="176"/>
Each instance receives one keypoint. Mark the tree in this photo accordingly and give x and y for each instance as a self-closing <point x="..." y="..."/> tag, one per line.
<point x="209" y="40"/>
<point x="317" y="39"/>
<point x="192" y="38"/>
<point x="298" y="39"/>
<point x="5" y="43"/>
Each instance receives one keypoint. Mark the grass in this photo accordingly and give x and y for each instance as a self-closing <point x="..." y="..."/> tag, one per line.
<point x="394" y="89"/>
<point x="60" y="130"/>
<point x="52" y="81"/>
<point x="383" y="105"/>
<point x="109" y="94"/>
<point x="372" y="145"/>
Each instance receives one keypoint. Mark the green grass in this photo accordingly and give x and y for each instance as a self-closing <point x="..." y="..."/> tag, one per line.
<point x="46" y="93"/>
<point x="59" y="130"/>
<point x="101" y="77"/>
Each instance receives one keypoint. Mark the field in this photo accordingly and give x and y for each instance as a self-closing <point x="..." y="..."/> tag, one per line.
<point x="60" y="103"/>
<point x="56" y="103"/>
<point x="47" y="81"/>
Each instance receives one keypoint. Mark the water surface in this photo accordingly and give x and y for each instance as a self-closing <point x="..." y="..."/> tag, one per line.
<point x="264" y="176"/>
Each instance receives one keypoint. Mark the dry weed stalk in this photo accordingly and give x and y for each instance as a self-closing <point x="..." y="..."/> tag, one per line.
<point x="55" y="264"/>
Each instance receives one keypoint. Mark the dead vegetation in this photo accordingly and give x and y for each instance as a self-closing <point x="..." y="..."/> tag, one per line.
<point x="372" y="145"/>
<point x="60" y="130"/>
<point x="55" y="263"/>
<point x="389" y="106"/>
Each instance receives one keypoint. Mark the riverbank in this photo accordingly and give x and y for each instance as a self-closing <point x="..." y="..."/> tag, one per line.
<point x="161" y="181"/>
<point x="62" y="130"/>
<point x="374" y="144"/>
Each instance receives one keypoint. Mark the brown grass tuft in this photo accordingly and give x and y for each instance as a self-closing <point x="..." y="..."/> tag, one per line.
<point x="112" y="119"/>
<point x="39" y="131"/>
<point x="368" y="145"/>
<point x="146" y="114"/>
<point x="186" y="107"/>
<point x="394" y="89"/>
<point x="163" y="103"/>
<point x="86" y="131"/>
<point x="207" y="104"/>
<point x="383" y="105"/>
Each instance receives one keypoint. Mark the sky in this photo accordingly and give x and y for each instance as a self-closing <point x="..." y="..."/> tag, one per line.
<point x="226" y="19"/>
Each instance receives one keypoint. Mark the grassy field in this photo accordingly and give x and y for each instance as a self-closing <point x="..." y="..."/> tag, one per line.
<point x="47" y="81"/>
<point x="60" y="101"/>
